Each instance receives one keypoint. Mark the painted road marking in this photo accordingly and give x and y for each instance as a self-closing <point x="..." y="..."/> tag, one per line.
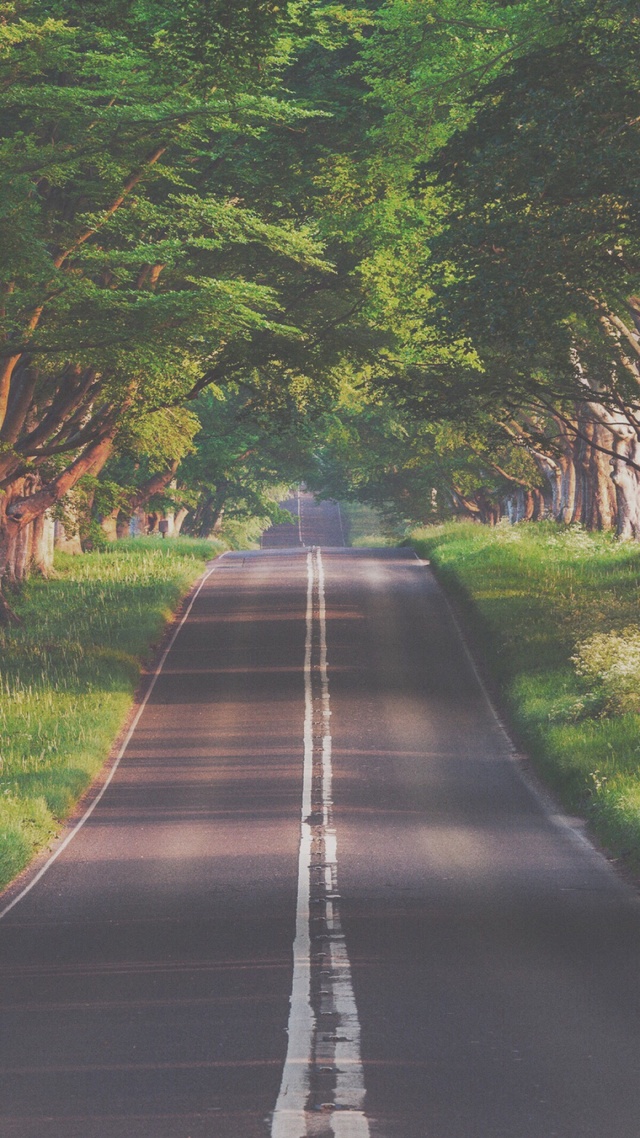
<point x="322" y="1089"/>
<point x="560" y="821"/>
<point x="289" y="1113"/>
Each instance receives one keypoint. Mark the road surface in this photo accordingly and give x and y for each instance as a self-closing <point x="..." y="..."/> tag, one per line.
<point x="318" y="899"/>
<point x="312" y="523"/>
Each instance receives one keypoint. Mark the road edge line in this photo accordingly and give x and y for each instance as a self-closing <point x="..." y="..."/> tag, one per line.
<point x="119" y="755"/>
<point x="550" y="807"/>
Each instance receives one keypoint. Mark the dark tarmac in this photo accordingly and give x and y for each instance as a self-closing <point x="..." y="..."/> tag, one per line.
<point x="494" y="956"/>
<point x="312" y="523"/>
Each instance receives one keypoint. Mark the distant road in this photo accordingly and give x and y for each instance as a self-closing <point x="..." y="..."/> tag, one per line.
<point x="317" y="899"/>
<point x="314" y="523"/>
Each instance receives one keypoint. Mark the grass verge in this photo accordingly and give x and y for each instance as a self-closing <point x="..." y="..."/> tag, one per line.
<point x="555" y="614"/>
<point x="68" y="674"/>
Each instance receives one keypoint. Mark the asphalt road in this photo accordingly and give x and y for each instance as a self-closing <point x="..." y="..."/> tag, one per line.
<point x="312" y="523"/>
<point x="317" y="765"/>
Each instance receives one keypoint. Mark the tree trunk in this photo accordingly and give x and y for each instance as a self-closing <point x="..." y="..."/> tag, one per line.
<point x="530" y="502"/>
<point x="123" y="522"/>
<point x="465" y="506"/>
<point x="154" y="485"/>
<point x="42" y="544"/>
<point x="22" y="508"/>
<point x="601" y="507"/>
<point x="627" y="484"/>
<point x="617" y="432"/>
<point x="540" y="505"/>
<point x="550" y="470"/>
<point x="179" y="519"/>
<point x="66" y="536"/>
<point x="22" y="549"/>
<point x="217" y="522"/>
<point x="19" y="558"/>
<point x="8" y="541"/>
<point x="202" y="516"/>
<point x="568" y="483"/>
<point x="109" y="525"/>
<point x="217" y="509"/>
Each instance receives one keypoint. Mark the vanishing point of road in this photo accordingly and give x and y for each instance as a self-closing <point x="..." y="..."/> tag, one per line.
<point x="318" y="897"/>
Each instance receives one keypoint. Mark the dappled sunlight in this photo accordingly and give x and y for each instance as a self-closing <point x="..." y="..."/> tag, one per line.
<point x="229" y="670"/>
<point x="172" y="916"/>
<point x="257" y="616"/>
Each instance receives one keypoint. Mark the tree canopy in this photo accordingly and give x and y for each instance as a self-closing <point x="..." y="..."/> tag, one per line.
<point x="400" y="230"/>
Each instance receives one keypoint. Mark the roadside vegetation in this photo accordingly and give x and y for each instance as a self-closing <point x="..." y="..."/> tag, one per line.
<point x="555" y="614"/>
<point x="387" y="249"/>
<point x="365" y="526"/>
<point x="68" y="674"/>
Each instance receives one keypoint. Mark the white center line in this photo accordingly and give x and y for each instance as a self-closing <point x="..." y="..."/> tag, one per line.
<point x="289" y="1114"/>
<point x="322" y="1088"/>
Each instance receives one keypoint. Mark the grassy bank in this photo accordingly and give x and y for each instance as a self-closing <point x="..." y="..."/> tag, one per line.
<point x="67" y="676"/>
<point x="555" y="613"/>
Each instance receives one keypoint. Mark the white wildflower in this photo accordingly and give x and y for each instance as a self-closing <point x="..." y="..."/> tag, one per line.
<point x="612" y="661"/>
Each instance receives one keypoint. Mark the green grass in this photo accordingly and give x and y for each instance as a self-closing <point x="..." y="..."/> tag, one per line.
<point x="67" y="677"/>
<point x="555" y="613"/>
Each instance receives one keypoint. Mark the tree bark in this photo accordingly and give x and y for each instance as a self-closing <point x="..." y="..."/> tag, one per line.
<point x="109" y="525"/>
<point x="42" y="544"/>
<point x="601" y="506"/>
<point x="22" y="508"/>
<point x="627" y="484"/>
<point x="154" y="485"/>
<point x="179" y="519"/>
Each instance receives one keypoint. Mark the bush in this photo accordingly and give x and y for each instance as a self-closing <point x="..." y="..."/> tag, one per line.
<point x="612" y="661"/>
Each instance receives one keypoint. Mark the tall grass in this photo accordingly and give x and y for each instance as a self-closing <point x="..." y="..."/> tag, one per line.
<point x="555" y="613"/>
<point x="67" y="676"/>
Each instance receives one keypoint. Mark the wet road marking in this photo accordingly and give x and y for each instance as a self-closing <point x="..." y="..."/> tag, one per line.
<point x="134" y="723"/>
<point x="322" y="1088"/>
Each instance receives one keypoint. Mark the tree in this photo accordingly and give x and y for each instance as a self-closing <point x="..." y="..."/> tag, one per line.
<point x="131" y="282"/>
<point x="508" y="156"/>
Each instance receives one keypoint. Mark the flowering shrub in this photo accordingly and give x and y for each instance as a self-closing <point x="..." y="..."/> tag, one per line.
<point x="612" y="661"/>
<point x="575" y="542"/>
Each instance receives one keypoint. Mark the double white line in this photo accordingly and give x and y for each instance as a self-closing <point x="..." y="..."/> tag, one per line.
<point x="322" y="1089"/>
